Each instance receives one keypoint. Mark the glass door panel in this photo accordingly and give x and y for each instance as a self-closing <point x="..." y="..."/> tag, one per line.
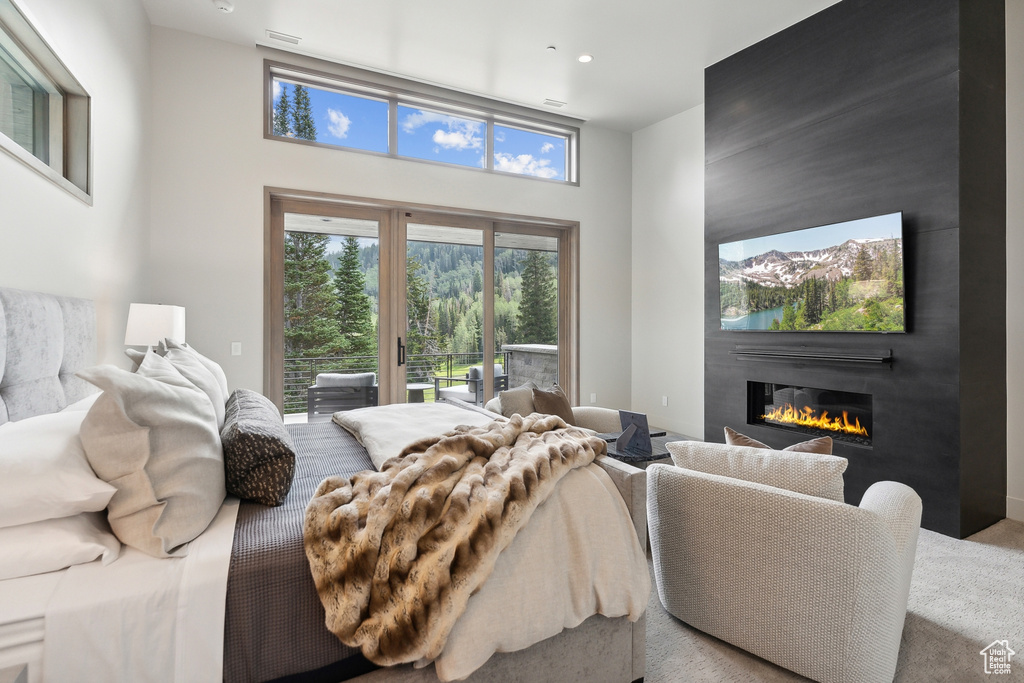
<point x="331" y="312"/>
<point x="445" y="312"/>
<point x="526" y="306"/>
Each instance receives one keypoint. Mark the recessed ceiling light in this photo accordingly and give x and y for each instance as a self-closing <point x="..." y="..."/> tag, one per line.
<point x="586" y="58"/>
<point x="553" y="103"/>
<point x="224" y="6"/>
<point x="551" y="48"/>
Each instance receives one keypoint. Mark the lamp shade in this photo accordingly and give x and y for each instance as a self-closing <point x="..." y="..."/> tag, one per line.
<point x="149" y="324"/>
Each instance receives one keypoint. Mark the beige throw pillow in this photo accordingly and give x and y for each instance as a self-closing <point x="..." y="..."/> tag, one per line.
<point x="808" y="473"/>
<point x="518" y="401"/>
<point x="822" y="445"/>
<point x="153" y="436"/>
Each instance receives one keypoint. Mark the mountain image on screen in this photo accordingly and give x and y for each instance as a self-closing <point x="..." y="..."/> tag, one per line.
<point x="846" y="277"/>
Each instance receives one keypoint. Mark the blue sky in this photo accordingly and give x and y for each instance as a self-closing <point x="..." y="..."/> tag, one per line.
<point x="876" y="227"/>
<point x="362" y="123"/>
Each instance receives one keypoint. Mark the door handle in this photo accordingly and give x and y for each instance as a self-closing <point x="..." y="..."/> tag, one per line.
<point x="401" y="352"/>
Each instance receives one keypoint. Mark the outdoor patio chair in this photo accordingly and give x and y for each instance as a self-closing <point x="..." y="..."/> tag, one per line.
<point x="471" y="388"/>
<point x="336" y="391"/>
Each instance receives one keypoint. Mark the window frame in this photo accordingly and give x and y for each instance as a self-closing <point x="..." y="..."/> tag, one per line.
<point x="66" y="137"/>
<point x="402" y="92"/>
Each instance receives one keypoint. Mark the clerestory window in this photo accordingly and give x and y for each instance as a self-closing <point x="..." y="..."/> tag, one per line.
<point x="324" y="109"/>
<point x="44" y="111"/>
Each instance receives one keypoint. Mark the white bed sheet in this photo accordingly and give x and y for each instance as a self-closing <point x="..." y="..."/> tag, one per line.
<point x="142" y="618"/>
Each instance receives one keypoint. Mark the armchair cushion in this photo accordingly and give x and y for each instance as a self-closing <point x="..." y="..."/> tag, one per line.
<point x="808" y="473"/>
<point x="339" y="379"/>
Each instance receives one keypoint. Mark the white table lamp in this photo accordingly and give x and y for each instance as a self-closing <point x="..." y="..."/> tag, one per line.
<point x="149" y="324"/>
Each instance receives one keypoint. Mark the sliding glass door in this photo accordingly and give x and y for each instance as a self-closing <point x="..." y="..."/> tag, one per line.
<point x="412" y="305"/>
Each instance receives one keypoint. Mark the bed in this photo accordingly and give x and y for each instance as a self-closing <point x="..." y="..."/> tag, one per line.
<point x="241" y="604"/>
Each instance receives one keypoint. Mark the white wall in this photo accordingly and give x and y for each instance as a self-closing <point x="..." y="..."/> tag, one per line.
<point x="1014" y="257"/>
<point x="53" y="242"/>
<point x="668" y="272"/>
<point x="207" y="206"/>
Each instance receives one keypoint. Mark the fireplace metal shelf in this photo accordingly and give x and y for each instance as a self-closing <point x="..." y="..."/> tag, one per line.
<point x="815" y="354"/>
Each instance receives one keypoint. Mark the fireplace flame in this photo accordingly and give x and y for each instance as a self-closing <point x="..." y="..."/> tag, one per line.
<point x="807" y="417"/>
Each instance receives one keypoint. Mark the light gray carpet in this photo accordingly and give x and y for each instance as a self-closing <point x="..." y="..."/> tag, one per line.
<point x="964" y="595"/>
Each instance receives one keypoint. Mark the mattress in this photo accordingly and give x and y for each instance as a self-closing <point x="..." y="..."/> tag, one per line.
<point x="274" y="621"/>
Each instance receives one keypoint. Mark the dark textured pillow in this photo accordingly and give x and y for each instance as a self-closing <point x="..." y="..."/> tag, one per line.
<point x="821" y="446"/>
<point x="259" y="457"/>
<point x="553" y="401"/>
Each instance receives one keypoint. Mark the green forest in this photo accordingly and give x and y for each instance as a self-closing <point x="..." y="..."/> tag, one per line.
<point x="331" y="297"/>
<point x="870" y="299"/>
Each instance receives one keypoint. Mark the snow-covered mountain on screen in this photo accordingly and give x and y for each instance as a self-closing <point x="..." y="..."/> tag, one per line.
<point x="790" y="269"/>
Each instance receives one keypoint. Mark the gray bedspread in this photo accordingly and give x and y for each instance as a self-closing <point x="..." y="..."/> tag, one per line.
<point x="274" y="621"/>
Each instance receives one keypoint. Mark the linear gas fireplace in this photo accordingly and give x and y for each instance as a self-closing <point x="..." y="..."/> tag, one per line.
<point x="843" y="415"/>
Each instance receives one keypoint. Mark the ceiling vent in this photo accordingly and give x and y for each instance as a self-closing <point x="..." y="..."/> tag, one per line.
<point x="553" y="103"/>
<point x="283" y="37"/>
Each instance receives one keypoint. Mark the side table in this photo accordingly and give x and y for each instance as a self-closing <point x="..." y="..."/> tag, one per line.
<point x="659" y="451"/>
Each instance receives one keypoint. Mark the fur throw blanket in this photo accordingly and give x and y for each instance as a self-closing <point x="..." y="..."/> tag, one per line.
<point x="396" y="554"/>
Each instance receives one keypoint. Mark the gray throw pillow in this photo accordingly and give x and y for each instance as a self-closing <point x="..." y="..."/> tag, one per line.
<point x="152" y="435"/>
<point x="518" y="401"/>
<point x="259" y="456"/>
<point x="808" y="473"/>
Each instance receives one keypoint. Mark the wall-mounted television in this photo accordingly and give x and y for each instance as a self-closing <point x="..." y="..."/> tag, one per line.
<point x="844" y="277"/>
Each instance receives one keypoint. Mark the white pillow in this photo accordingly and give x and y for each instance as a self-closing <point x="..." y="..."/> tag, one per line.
<point x="153" y="435"/>
<point x="808" y="473"/>
<point x="55" y="544"/>
<point x="212" y="366"/>
<point x="44" y="472"/>
<point x="192" y="369"/>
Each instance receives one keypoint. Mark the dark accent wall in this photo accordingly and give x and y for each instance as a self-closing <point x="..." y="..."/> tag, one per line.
<point x="871" y="107"/>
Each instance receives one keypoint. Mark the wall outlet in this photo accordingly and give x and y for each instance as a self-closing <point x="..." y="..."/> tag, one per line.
<point x="236" y="348"/>
<point x="593" y="398"/>
<point x="664" y="400"/>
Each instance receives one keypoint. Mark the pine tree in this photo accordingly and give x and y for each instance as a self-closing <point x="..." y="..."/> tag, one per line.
<point x="538" y="315"/>
<point x="355" y="319"/>
<point x="421" y="337"/>
<point x="283" y="114"/>
<point x="310" y="303"/>
<point x="862" y="266"/>
<point x="302" y="112"/>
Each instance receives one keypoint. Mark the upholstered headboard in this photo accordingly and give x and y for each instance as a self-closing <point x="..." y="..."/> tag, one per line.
<point x="44" y="340"/>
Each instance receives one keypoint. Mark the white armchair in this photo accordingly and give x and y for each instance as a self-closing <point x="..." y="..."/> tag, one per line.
<point x="815" y="585"/>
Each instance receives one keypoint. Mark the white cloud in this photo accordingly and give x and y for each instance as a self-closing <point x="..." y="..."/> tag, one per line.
<point x="414" y="121"/>
<point x="277" y="89"/>
<point x="499" y="136"/>
<point x="338" y="123"/>
<point x="524" y="164"/>
<point x="457" y="139"/>
<point x="452" y="133"/>
<point x="546" y="147"/>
